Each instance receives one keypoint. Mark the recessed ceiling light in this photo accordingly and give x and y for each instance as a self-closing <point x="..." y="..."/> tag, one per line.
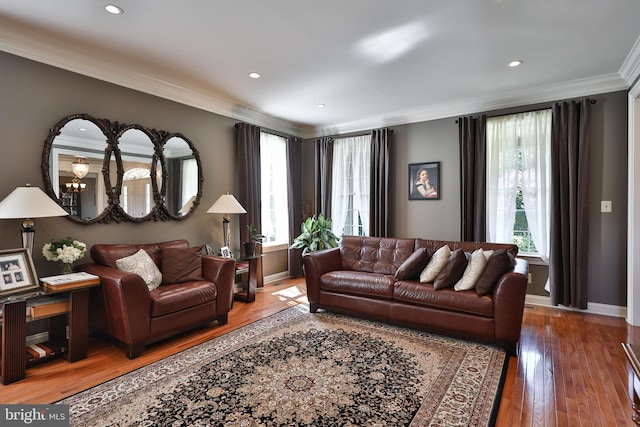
<point x="254" y="75"/>
<point x="113" y="9"/>
<point x="515" y="63"/>
<point x="321" y="105"/>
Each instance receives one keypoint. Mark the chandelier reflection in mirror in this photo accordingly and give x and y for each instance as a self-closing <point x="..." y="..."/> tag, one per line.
<point x="103" y="171"/>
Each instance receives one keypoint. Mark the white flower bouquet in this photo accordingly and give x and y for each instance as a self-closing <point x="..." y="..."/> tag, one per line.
<point x="66" y="250"/>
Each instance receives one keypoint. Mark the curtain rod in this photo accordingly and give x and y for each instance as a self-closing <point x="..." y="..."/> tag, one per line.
<point x="592" y="101"/>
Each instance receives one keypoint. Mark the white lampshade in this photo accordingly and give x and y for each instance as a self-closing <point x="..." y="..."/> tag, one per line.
<point x="29" y="202"/>
<point x="226" y="204"/>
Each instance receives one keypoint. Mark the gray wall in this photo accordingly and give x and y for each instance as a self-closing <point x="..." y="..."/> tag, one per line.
<point x="34" y="97"/>
<point x="437" y="140"/>
<point x="440" y="219"/>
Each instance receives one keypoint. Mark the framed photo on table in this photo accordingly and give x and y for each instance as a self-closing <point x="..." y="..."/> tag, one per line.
<point x="225" y="252"/>
<point x="17" y="272"/>
<point x="424" y="181"/>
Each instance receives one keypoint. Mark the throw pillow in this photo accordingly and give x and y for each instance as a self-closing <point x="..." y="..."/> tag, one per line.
<point x="181" y="264"/>
<point x="498" y="264"/>
<point x="141" y="264"/>
<point x="475" y="267"/>
<point x="412" y="266"/>
<point x="436" y="263"/>
<point x="452" y="271"/>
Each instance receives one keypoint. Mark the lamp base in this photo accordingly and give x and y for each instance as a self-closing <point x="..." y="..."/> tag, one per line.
<point x="28" y="232"/>
<point x="226" y="232"/>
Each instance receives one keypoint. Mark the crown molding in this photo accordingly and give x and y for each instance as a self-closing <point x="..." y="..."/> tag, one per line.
<point x="507" y="99"/>
<point x="41" y="46"/>
<point x="630" y="69"/>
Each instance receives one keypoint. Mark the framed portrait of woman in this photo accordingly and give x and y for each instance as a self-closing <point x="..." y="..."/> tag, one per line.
<point x="424" y="181"/>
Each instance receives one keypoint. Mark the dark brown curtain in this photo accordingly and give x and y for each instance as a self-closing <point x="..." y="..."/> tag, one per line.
<point x="570" y="147"/>
<point x="473" y="177"/>
<point x="294" y="194"/>
<point x="379" y="192"/>
<point x="324" y="160"/>
<point x="249" y="190"/>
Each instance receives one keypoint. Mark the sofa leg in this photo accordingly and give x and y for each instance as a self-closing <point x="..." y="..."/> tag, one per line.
<point x="223" y="319"/>
<point x="134" y="350"/>
<point x="313" y="307"/>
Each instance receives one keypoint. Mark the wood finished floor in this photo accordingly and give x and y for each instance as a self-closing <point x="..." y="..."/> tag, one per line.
<point x="571" y="370"/>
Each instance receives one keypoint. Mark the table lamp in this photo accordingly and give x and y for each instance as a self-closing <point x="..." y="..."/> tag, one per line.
<point x="226" y="204"/>
<point x="29" y="202"/>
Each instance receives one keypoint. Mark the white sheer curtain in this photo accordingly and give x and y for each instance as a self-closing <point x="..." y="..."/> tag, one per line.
<point x="189" y="180"/>
<point x="350" y="182"/>
<point x="274" y="197"/>
<point x="535" y="134"/>
<point x="531" y="133"/>
<point x="502" y="177"/>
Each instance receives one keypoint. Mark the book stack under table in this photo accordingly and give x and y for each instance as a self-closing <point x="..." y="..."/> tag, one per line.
<point x="63" y="299"/>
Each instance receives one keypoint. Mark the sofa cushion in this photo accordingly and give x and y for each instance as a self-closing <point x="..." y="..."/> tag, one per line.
<point x="358" y="283"/>
<point x="140" y="263"/>
<point x="374" y="254"/>
<point x="475" y="267"/>
<point x="108" y="253"/>
<point x="413" y="292"/>
<point x="436" y="263"/>
<point x="498" y="264"/>
<point x="177" y="297"/>
<point x="452" y="271"/>
<point x="413" y="266"/>
<point x="181" y="264"/>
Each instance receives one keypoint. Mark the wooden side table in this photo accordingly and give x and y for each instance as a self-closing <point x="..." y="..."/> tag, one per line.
<point x="14" y="319"/>
<point x="632" y="352"/>
<point x="253" y="279"/>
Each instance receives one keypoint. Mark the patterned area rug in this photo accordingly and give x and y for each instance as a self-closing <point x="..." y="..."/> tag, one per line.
<point x="298" y="368"/>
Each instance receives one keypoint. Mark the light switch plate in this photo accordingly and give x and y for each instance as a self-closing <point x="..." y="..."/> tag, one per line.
<point x="605" y="206"/>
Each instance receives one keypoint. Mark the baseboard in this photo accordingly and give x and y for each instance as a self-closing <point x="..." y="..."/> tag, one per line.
<point x="592" y="307"/>
<point x="276" y="277"/>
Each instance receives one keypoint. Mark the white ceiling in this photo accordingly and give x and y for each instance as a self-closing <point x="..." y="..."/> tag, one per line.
<point x="371" y="62"/>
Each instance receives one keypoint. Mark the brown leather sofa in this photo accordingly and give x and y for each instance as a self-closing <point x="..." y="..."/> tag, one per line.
<point x="358" y="278"/>
<point x="124" y="308"/>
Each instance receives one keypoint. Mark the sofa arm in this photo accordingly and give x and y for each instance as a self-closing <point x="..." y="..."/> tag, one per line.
<point x="508" y="299"/>
<point x="124" y="301"/>
<point x="222" y="272"/>
<point x="315" y="265"/>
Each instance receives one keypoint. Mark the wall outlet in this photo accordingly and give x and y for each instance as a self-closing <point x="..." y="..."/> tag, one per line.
<point x="529" y="280"/>
<point x="605" y="206"/>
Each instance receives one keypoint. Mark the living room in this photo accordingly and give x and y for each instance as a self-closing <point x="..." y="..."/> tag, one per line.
<point x="35" y="96"/>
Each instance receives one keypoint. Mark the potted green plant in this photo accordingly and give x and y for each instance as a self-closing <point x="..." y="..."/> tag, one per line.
<point x="255" y="238"/>
<point x="316" y="235"/>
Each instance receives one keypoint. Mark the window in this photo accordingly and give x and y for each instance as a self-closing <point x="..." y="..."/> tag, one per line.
<point x="350" y="185"/>
<point x="275" y="207"/>
<point x="518" y="180"/>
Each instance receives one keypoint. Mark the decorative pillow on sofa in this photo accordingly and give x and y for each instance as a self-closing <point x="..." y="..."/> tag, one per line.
<point x="499" y="263"/>
<point x="437" y="263"/>
<point x="412" y="266"/>
<point x="141" y="264"/>
<point x="181" y="264"/>
<point x="475" y="267"/>
<point x="452" y="271"/>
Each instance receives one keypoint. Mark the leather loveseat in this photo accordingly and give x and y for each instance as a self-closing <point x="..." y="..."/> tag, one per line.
<point x="124" y="307"/>
<point x="360" y="278"/>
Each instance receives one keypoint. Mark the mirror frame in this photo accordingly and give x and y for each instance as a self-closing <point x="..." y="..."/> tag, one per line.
<point x="114" y="212"/>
